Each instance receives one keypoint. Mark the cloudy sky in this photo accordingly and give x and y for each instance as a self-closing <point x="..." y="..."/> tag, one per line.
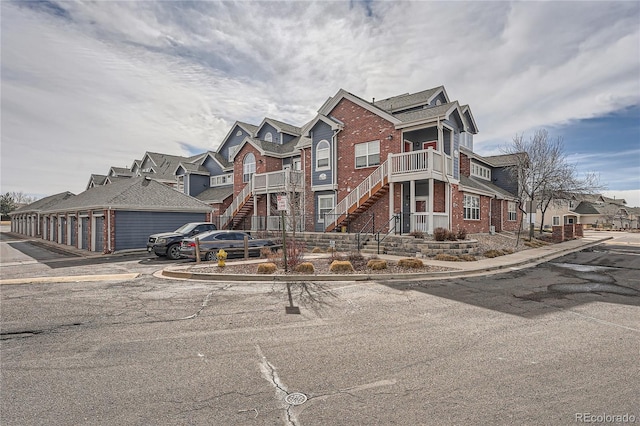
<point x="87" y="86"/>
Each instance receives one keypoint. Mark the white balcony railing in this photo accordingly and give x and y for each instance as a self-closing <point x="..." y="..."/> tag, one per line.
<point x="426" y="160"/>
<point x="282" y="180"/>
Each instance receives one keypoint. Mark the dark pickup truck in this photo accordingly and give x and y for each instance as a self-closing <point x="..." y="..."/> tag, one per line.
<point x="168" y="243"/>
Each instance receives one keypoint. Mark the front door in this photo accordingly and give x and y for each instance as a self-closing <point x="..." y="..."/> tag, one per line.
<point x="421" y="217"/>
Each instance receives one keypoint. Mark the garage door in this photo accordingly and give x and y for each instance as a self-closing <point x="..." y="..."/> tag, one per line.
<point x="133" y="228"/>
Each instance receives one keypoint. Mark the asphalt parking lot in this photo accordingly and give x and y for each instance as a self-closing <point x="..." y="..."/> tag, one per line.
<point x="511" y="348"/>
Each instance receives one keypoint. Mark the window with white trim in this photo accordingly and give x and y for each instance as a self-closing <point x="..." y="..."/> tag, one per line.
<point x="325" y="205"/>
<point x="367" y="154"/>
<point x="555" y="220"/>
<point x="248" y="167"/>
<point x="268" y="137"/>
<point x="480" y="171"/>
<point x="221" y="180"/>
<point x="513" y="214"/>
<point x="471" y="207"/>
<point x="296" y="164"/>
<point x="322" y="155"/>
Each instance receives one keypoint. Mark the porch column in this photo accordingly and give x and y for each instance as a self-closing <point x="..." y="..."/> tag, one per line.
<point x="412" y="205"/>
<point x="447" y="203"/>
<point x="430" y="207"/>
<point x="255" y="211"/>
<point x="391" y="207"/>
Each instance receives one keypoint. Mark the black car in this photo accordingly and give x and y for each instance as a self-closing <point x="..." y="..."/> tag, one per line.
<point x="230" y="241"/>
<point x="168" y="243"/>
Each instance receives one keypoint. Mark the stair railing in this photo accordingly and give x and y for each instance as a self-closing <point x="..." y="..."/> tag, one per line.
<point x="370" y="224"/>
<point x="395" y="219"/>
<point x="354" y="197"/>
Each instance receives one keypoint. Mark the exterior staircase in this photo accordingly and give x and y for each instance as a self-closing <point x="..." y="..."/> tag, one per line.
<point x="370" y="190"/>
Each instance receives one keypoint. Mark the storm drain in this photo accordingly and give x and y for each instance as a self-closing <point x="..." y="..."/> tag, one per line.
<point x="295" y="398"/>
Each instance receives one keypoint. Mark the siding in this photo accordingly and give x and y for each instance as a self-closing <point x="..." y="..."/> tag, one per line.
<point x="212" y="166"/>
<point x="132" y="229"/>
<point x="502" y="178"/>
<point x="321" y="131"/>
<point x="233" y="140"/>
<point x="197" y="184"/>
<point x="268" y="128"/>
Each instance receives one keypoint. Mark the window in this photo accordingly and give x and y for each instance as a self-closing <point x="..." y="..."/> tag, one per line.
<point x="480" y="171"/>
<point x="572" y="204"/>
<point x="248" y="167"/>
<point x="325" y="205"/>
<point x="296" y="164"/>
<point x="555" y="221"/>
<point x="471" y="207"/>
<point x="268" y="137"/>
<point x="430" y="144"/>
<point x="221" y="180"/>
<point x="367" y="154"/>
<point x="511" y="207"/>
<point x="322" y="155"/>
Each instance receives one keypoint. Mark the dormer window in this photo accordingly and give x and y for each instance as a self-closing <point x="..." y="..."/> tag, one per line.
<point x="268" y="137"/>
<point x="480" y="171"/>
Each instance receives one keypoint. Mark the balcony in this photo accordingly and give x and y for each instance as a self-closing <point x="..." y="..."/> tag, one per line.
<point x="424" y="164"/>
<point x="280" y="181"/>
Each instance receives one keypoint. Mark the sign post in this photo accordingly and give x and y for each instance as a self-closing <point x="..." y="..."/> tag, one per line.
<point x="282" y="207"/>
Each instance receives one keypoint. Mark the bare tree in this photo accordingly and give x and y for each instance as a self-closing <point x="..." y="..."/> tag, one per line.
<point x="20" y="197"/>
<point x="543" y="173"/>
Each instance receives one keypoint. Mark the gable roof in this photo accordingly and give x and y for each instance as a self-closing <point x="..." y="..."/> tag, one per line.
<point x="192" y="168"/>
<point x="43" y="203"/>
<point x="480" y="186"/>
<point x="249" y="128"/>
<point x="96" y="180"/>
<point x="428" y="114"/>
<point x="332" y="102"/>
<point x="410" y="100"/>
<point x="504" y="160"/>
<point x="271" y="149"/>
<point x="281" y="127"/>
<point x="120" y="171"/>
<point x="216" y="194"/>
<point x="165" y="165"/>
<point x="138" y="193"/>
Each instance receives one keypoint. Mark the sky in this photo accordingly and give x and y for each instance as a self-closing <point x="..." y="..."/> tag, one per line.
<point x="88" y="86"/>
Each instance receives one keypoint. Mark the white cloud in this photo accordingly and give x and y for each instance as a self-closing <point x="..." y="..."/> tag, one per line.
<point x="115" y="79"/>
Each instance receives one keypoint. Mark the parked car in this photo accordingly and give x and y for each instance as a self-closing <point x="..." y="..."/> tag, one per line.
<point x="230" y="241"/>
<point x="168" y="243"/>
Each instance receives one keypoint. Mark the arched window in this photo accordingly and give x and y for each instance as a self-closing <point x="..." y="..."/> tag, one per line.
<point x="268" y="137"/>
<point x="248" y="167"/>
<point x="322" y="155"/>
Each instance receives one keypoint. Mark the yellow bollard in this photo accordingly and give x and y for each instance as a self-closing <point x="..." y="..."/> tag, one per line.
<point x="222" y="256"/>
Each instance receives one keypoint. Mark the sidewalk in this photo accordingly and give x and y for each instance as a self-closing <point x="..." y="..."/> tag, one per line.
<point x="518" y="260"/>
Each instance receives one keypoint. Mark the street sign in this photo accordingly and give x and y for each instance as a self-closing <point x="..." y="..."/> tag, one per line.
<point x="282" y="203"/>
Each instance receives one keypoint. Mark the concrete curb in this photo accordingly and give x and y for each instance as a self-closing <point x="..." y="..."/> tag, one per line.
<point x="178" y="271"/>
<point x="69" y="279"/>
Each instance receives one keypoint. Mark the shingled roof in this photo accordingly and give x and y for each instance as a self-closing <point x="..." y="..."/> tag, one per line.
<point x="43" y="203"/>
<point x="138" y="193"/>
<point x="216" y="194"/>
<point x="407" y="100"/>
<point x="484" y="186"/>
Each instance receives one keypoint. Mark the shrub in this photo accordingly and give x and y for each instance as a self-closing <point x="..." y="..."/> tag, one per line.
<point x="462" y="234"/>
<point x="440" y="234"/>
<point x="341" y="266"/>
<point x="493" y="253"/>
<point x="317" y="250"/>
<point x="468" y="257"/>
<point x="305" y="268"/>
<point x="447" y="257"/>
<point x="410" y="262"/>
<point x="295" y="253"/>
<point x="417" y="234"/>
<point x="267" y="268"/>
<point x="357" y="260"/>
<point x="377" y="264"/>
<point x="266" y="252"/>
<point x="451" y="236"/>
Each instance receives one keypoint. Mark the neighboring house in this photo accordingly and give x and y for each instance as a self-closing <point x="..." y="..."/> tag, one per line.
<point x="114" y="217"/>
<point x="593" y="210"/>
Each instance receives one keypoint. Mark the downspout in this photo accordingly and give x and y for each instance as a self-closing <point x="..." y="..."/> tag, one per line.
<point x="444" y="172"/>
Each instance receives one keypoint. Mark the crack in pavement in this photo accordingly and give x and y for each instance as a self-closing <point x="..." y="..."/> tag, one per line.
<point x="269" y="372"/>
